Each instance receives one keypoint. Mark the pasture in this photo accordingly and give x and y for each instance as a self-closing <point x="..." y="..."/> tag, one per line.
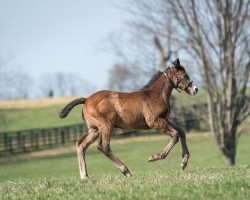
<point x="53" y="173"/>
<point x="56" y="176"/>
<point x="29" y="114"/>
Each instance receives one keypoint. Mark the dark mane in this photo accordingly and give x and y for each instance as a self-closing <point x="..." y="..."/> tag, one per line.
<point x="152" y="80"/>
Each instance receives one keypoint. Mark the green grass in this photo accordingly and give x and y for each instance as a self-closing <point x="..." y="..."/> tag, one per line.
<point x="28" y="118"/>
<point x="219" y="183"/>
<point x="206" y="176"/>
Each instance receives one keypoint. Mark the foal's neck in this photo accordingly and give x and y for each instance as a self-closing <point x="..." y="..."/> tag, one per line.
<point x="162" y="87"/>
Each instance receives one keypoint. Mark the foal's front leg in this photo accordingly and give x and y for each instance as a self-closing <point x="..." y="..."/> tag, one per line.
<point x="185" y="151"/>
<point x="166" y="127"/>
<point x="163" y="154"/>
<point x="163" y="127"/>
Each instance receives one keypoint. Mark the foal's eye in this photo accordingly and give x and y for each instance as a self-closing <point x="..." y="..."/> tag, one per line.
<point x="186" y="76"/>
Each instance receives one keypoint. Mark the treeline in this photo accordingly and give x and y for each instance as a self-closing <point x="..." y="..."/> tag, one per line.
<point x="18" y="84"/>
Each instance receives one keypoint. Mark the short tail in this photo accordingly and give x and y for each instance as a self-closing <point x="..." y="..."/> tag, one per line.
<point x="66" y="110"/>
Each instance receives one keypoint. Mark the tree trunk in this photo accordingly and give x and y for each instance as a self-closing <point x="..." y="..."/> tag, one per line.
<point x="224" y="133"/>
<point x="230" y="158"/>
<point x="228" y="146"/>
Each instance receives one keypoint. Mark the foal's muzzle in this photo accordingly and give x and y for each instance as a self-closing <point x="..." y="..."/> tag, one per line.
<point x="192" y="88"/>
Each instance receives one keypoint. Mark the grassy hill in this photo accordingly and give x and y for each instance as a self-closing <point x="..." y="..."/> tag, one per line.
<point x="56" y="177"/>
<point x="40" y="113"/>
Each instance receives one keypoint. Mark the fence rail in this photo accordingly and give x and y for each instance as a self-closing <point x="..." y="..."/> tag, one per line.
<point x="35" y="139"/>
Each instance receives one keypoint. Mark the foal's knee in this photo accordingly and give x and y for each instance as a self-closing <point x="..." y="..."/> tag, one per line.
<point x="175" y="136"/>
<point x="104" y="149"/>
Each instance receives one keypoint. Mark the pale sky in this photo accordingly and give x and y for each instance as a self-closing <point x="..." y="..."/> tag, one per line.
<point x="60" y="35"/>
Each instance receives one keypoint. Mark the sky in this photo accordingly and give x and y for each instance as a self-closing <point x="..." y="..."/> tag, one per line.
<point x="46" y="36"/>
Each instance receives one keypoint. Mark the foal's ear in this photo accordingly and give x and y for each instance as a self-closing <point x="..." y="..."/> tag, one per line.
<point x="176" y="62"/>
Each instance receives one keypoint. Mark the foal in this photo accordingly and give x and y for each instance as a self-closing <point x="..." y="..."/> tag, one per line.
<point x="147" y="108"/>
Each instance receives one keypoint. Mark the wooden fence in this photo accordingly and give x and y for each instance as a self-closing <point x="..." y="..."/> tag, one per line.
<point x="35" y="139"/>
<point x="38" y="138"/>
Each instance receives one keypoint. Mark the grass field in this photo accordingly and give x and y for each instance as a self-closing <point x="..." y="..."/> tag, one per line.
<point x="28" y="118"/>
<point x="219" y="183"/>
<point x="36" y="113"/>
<point x="53" y="173"/>
<point x="56" y="177"/>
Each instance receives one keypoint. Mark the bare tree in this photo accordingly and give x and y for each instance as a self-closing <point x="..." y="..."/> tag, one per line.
<point x="216" y="35"/>
<point x="46" y="86"/>
<point x="64" y="84"/>
<point x="14" y="83"/>
<point x="123" y="78"/>
<point x="5" y="78"/>
<point x="21" y="87"/>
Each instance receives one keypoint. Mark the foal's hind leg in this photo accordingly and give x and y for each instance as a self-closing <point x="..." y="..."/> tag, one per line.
<point x="104" y="147"/>
<point x="81" y="146"/>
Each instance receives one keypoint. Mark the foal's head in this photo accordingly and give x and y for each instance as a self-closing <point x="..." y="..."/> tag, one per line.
<point x="180" y="78"/>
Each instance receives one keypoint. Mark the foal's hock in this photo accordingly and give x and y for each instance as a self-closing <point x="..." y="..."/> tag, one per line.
<point x="147" y="108"/>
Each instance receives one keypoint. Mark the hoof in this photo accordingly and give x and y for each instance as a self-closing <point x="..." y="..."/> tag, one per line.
<point x="151" y="159"/>
<point x="85" y="178"/>
<point x="155" y="158"/>
<point x="128" y="175"/>
<point x="183" y="165"/>
<point x="184" y="161"/>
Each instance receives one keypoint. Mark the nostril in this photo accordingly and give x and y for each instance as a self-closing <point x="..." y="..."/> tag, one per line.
<point x="196" y="89"/>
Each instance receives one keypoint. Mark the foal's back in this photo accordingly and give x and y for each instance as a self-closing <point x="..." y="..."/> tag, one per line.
<point x="123" y="110"/>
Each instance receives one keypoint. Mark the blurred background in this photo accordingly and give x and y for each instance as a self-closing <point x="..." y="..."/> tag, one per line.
<point x="54" y="51"/>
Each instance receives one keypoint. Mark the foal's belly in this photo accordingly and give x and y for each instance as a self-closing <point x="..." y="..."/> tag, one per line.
<point x="132" y="126"/>
<point x="131" y="122"/>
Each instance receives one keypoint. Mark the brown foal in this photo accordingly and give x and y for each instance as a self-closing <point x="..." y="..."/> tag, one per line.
<point x="147" y="108"/>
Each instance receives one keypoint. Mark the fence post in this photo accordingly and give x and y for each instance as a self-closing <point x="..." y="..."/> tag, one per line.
<point x="74" y="133"/>
<point x="19" y="142"/>
<point x="67" y="132"/>
<point x="32" y="139"/>
<point x="56" y="136"/>
<point x="62" y="136"/>
<point x="5" y="139"/>
<point x="36" y="141"/>
<point x="43" y="137"/>
<point x="10" y="147"/>
<point x="23" y="142"/>
<point x="49" y="138"/>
